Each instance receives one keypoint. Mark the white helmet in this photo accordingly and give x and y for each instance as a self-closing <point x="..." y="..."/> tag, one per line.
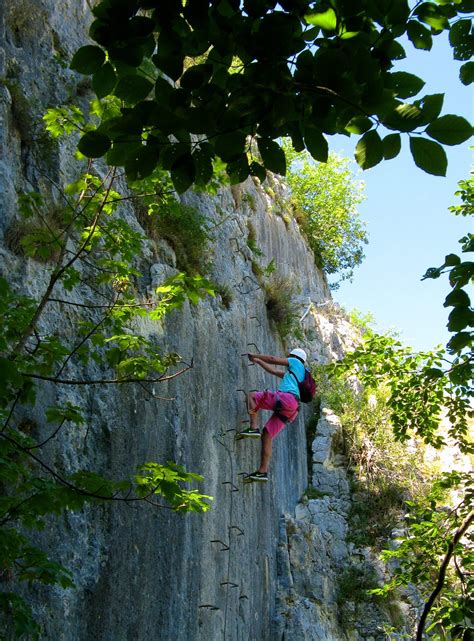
<point x="300" y="353"/>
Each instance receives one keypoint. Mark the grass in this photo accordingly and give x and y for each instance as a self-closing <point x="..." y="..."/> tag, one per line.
<point x="185" y="229"/>
<point x="375" y="511"/>
<point x="354" y="582"/>
<point x="279" y="300"/>
<point x="38" y="235"/>
<point x="225" y="292"/>
<point x="252" y="239"/>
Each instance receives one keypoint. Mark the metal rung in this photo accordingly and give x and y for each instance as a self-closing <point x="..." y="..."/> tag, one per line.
<point x="236" y="527"/>
<point x="243" y="596"/>
<point x="224" y="548"/>
<point x="232" y="585"/>
<point x="234" y="487"/>
<point x="254" y="345"/>
<point x="257" y="319"/>
<point x="236" y="244"/>
<point x="208" y="606"/>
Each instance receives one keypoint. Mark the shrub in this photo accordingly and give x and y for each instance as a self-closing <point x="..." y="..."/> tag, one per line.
<point x="39" y="233"/>
<point x="185" y="229"/>
<point x="279" y="300"/>
<point x="252" y="239"/>
<point x="225" y="292"/>
<point x="387" y="472"/>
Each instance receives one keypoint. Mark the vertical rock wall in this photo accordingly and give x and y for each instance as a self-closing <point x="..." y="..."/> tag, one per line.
<point x="150" y="573"/>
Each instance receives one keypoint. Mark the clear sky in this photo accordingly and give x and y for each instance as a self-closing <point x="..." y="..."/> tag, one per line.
<point x="409" y="225"/>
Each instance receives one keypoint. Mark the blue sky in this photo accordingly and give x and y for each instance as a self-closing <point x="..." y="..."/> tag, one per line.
<point x="409" y="225"/>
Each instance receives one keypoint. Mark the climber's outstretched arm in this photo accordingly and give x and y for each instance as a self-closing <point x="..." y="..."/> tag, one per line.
<point x="268" y="358"/>
<point x="269" y="368"/>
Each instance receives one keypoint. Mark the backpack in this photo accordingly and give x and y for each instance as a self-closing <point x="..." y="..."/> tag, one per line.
<point x="307" y="387"/>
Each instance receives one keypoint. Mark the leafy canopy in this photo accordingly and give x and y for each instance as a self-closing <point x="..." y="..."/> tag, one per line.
<point x="200" y="80"/>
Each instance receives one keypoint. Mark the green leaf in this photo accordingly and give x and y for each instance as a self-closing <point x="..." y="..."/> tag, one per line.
<point x="230" y="146"/>
<point x="406" y="84"/>
<point x="171" y="64"/>
<point x="183" y="173"/>
<point x="94" y="144"/>
<point x="238" y="170"/>
<point x="459" y="341"/>
<point x="391" y="146"/>
<point x="451" y="260"/>
<point x="103" y="80"/>
<point x="9" y="374"/>
<point x="458" y="297"/>
<point x="432" y="15"/>
<point x="459" y="318"/>
<point x="325" y="20"/>
<point x="430" y="106"/>
<point x="132" y="88"/>
<point x="273" y="155"/>
<point x="257" y="170"/>
<point x="462" y="40"/>
<point x="419" y="35"/>
<point x="405" y="117"/>
<point x="311" y="34"/>
<point x="142" y="163"/>
<point x="429" y="156"/>
<point x="369" y="150"/>
<point x="466" y="73"/>
<point x="433" y="373"/>
<point x="88" y="59"/>
<point x="316" y="144"/>
<point x="358" y="125"/>
<point x="450" y="130"/>
<point x="203" y="162"/>
<point x="196" y="76"/>
<point x="122" y="150"/>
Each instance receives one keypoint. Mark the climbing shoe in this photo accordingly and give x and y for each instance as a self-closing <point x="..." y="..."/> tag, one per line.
<point x="256" y="477"/>
<point x="248" y="433"/>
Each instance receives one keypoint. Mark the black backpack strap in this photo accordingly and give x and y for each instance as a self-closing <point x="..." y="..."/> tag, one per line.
<point x="296" y="378"/>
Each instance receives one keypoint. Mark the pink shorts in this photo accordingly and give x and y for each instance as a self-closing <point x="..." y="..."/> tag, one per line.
<point x="289" y="408"/>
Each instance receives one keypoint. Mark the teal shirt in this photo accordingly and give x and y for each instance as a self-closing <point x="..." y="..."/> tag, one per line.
<point x="288" y="383"/>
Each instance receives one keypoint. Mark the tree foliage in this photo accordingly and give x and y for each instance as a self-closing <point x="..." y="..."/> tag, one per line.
<point x="427" y="390"/>
<point x="325" y="197"/>
<point x="200" y="80"/>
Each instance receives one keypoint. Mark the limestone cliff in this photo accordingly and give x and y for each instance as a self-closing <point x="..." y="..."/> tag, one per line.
<point x="153" y="574"/>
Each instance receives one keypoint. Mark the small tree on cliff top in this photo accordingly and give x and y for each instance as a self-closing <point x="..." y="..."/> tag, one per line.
<point x="325" y="197"/>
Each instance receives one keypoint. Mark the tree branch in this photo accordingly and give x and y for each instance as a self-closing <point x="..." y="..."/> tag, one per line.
<point x="113" y="381"/>
<point x="59" y="271"/>
<point x="462" y="529"/>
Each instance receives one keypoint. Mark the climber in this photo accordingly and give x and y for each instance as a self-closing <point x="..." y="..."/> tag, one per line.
<point x="284" y="402"/>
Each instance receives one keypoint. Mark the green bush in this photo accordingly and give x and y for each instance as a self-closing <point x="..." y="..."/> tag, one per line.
<point x="387" y="472"/>
<point x="279" y="294"/>
<point x="186" y="230"/>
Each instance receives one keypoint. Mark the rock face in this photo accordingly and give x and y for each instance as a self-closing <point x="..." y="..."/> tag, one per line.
<point x="149" y="573"/>
<point x="242" y="571"/>
<point x="323" y="577"/>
